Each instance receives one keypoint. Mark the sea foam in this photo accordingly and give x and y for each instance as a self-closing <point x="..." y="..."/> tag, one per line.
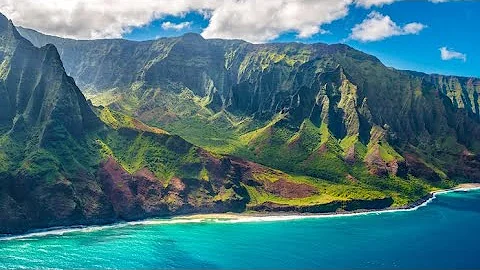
<point x="60" y="231"/>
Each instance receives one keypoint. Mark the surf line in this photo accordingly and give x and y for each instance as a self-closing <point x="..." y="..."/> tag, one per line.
<point x="224" y="218"/>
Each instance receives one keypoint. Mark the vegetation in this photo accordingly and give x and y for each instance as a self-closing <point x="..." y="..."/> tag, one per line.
<point x="266" y="125"/>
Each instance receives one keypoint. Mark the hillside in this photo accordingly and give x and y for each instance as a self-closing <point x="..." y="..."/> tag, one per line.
<point x="64" y="162"/>
<point x="338" y="112"/>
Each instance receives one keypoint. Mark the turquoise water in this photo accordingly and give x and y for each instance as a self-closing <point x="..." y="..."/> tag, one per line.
<point x="442" y="234"/>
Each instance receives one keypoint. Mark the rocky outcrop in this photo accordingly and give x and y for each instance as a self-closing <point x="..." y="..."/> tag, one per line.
<point x="143" y="195"/>
<point x="286" y="189"/>
<point x="30" y="203"/>
<point x="418" y="169"/>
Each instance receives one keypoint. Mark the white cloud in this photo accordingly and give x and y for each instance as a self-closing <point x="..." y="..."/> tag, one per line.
<point x="447" y="54"/>
<point x="87" y="19"/>
<point x="263" y="20"/>
<point x="176" y="26"/>
<point x="370" y="3"/>
<point x="413" y="28"/>
<point x="378" y="27"/>
<point x="252" y="20"/>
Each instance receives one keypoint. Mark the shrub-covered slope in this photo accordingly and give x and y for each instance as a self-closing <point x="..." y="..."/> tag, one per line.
<point x="64" y="162"/>
<point x="337" y="112"/>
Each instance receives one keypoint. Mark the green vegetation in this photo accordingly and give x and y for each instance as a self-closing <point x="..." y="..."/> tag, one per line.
<point x="158" y="153"/>
<point x="327" y="191"/>
<point x="315" y="152"/>
<point x="4" y="163"/>
<point x="41" y="164"/>
<point x="307" y="125"/>
<point x="259" y="197"/>
<point x="116" y="119"/>
<point x="318" y="153"/>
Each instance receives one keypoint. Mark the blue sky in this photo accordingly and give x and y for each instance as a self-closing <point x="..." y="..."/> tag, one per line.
<point x="454" y="25"/>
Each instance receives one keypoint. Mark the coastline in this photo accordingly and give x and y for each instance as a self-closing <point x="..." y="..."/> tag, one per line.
<point x="240" y="217"/>
<point x="270" y="216"/>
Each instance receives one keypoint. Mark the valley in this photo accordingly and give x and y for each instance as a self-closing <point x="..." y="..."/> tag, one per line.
<point x="190" y="125"/>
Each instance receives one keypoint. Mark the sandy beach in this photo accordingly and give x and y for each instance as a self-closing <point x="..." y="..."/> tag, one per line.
<point x="468" y="186"/>
<point x="273" y="216"/>
<point x="242" y="217"/>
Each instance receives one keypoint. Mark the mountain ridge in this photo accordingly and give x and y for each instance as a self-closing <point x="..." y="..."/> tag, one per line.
<point x="28" y="106"/>
<point x="235" y="88"/>
<point x="65" y="162"/>
<point x="31" y="33"/>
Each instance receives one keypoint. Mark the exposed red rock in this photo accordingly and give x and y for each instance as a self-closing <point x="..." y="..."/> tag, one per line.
<point x="116" y="182"/>
<point x="350" y="158"/>
<point x="377" y="166"/>
<point x="286" y="189"/>
<point x="322" y="149"/>
<point x="418" y="168"/>
<point x="467" y="167"/>
<point x="352" y="179"/>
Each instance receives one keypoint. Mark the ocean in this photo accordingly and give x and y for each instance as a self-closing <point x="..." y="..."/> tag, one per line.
<point x="441" y="234"/>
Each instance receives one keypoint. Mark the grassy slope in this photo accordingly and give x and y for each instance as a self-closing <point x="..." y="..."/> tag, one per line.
<point x="311" y="150"/>
<point x="273" y="67"/>
<point x="145" y="152"/>
<point x="136" y="146"/>
<point x="298" y="153"/>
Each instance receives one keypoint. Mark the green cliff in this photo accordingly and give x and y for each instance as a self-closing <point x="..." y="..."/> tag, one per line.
<point x="337" y="112"/>
<point x="64" y="162"/>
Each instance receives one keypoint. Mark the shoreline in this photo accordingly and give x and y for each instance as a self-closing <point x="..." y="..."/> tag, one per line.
<point x="269" y="216"/>
<point x="241" y="217"/>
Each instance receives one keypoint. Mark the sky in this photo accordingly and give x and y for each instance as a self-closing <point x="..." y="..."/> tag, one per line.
<point x="433" y="36"/>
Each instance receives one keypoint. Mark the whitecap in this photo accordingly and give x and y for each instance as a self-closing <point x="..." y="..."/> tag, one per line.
<point x="60" y="231"/>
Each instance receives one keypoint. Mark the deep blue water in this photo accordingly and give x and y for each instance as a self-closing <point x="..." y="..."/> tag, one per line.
<point x="443" y="234"/>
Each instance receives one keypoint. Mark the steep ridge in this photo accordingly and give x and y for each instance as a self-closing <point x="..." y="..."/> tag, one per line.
<point x="229" y="95"/>
<point x="45" y="119"/>
<point x="27" y="73"/>
<point x="62" y="166"/>
<point x="64" y="162"/>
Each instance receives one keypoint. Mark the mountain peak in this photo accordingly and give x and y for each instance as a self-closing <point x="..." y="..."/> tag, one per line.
<point x="192" y="37"/>
<point x="4" y="21"/>
<point x="9" y="31"/>
<point x="47" y="97"/>
<point x="52" y="54"/>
